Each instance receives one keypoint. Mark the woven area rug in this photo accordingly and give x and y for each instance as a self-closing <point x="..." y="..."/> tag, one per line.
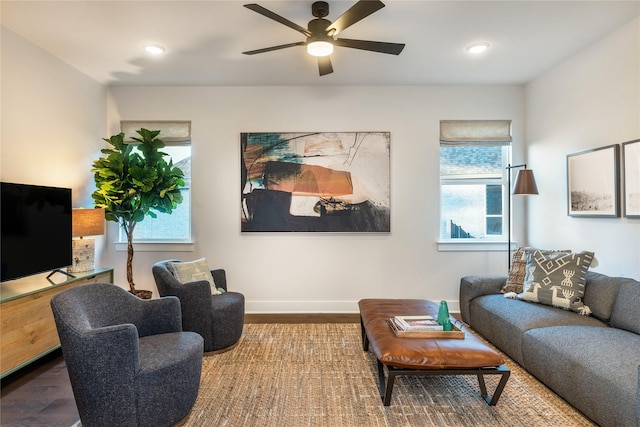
<point x="317" y="375"/>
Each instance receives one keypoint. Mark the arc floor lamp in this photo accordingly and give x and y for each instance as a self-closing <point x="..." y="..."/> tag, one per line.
<point x="525" y="185"/>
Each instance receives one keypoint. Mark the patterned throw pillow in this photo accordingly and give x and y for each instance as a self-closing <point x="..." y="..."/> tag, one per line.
<point x="515" y="281"/>
<point x="192" y="271"/>
<point x="557" y="279"/>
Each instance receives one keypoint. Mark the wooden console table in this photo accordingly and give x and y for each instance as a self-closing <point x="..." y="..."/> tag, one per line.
<point x="27" y="328"/>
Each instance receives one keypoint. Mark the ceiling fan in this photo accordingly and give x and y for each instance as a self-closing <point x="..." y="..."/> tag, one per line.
<point x="321" y="33"/>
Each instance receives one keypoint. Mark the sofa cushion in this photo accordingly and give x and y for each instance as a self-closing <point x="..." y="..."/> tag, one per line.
<point x="503" y="321"/>
<point x="600" y="294"/>
<point x="594" y="369"/>
<point x="626" y="309"/>
<point x="557" y="279"/>
<point x="192" y="271"/>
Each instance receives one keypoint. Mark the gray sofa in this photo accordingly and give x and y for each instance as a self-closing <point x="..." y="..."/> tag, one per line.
<point x="593" y="362"/>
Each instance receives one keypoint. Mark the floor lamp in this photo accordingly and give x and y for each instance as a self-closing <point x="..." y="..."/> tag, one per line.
<point x="525" y="185"/>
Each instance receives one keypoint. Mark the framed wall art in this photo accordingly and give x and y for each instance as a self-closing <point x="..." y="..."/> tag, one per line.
<point x="592" y="182"/>
<point x="631" y="178"/>
<point x="315" y="182"/>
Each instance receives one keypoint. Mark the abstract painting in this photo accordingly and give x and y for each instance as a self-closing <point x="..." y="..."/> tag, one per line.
<point x="315" y="182"/>
<point x="592" y="182"/>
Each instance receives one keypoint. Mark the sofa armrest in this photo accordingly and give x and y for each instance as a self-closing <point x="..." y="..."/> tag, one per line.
<point x="474" y="286"/>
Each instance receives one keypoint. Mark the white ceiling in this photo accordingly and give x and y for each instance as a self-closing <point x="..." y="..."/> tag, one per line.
<point x="204" y="40"/>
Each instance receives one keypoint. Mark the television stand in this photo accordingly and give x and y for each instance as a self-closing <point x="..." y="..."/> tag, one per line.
<point x="57" y="270"/>
<point x="28" y="330"/>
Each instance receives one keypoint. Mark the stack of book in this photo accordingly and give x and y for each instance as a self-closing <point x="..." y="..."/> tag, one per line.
<point x="417" y="323"/>
<point x="421" y="327"/>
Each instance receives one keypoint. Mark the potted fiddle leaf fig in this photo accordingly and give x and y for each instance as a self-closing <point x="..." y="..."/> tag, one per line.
<point x="134" y="181"/>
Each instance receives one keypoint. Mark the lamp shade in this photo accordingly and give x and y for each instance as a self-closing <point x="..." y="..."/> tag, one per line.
<point x="525" y="183"/>
<point x="87" y="222"/>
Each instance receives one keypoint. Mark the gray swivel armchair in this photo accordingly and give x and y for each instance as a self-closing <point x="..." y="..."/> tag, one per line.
<point x="218" y="318"/>
<point x="129" y="362"/>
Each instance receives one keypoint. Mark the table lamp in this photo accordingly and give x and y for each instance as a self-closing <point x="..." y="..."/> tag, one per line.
<point x="85" y="222"/>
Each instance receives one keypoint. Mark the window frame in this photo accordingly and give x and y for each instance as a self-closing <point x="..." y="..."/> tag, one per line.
<point x="485" y="138"/>
<point x="479" y="180"/>
<point x="176" y="133"/>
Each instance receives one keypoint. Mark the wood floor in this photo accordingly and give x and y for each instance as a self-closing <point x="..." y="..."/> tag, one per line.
<point x="40" y="395"/>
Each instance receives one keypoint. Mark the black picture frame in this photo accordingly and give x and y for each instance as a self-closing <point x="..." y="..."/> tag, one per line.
<point x="593" y="179"/>
<point x="631" y="178"/>
<point x="334" y="182"/>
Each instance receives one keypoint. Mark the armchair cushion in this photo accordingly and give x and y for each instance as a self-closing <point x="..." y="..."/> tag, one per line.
<point x="191" y="271"/>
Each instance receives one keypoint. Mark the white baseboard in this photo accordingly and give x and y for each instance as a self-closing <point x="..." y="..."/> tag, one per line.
<point x="277" y="307"/>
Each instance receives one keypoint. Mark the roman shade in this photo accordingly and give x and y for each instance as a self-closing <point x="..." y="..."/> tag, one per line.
<point x="475" y="132"/>
<point x="172" y="132"/>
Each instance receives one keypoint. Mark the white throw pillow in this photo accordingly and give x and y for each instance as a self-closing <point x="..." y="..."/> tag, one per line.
<point x="191" y="271"/>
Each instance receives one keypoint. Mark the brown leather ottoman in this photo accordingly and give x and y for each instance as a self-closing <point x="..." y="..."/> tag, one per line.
<point x="424" y="356"/>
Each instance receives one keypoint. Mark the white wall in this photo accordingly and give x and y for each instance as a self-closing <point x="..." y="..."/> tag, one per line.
<point x="53" y="117"/>
<point x="52" y="120"/>
<point x="591" y="100"/>
<point x="280" y="272"/>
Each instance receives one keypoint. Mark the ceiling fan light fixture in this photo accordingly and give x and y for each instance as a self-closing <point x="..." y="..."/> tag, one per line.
<point x="477" y="48"/>
<point x="320" y="48"/>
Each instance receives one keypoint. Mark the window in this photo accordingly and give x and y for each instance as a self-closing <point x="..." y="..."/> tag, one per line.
<point x="174" y="227"/>
<point x="473" y="158"/>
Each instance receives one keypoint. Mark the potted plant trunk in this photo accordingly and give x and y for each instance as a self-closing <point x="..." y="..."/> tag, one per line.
<point x="134" y="181"/>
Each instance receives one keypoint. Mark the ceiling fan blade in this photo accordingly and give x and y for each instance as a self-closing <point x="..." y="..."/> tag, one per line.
<point x="266" y="12"/>
<point x="269" y="49"/>
<point x="324" y="65"/>
<point x="355" y="13"/>
<point x="381" y="47"/>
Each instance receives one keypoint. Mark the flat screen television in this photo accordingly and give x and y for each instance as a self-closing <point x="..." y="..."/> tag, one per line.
<point x="36" y="229"/>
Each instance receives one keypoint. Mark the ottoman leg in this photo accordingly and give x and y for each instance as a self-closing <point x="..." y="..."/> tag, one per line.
<point x="365" y="339"/>
<point x="386" y="387"/>
<point x="504" y="376"/>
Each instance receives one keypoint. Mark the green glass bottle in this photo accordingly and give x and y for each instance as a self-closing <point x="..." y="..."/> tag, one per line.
<point x="443" y="312"/>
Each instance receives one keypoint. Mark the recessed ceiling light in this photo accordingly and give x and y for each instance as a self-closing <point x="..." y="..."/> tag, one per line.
<point x="154" y="48"/>
<point x="476" y="48"/>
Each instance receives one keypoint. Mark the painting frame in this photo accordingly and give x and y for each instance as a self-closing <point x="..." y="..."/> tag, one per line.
<point x="593" y="182"/>
<point x="337" y="182"/>
<point x="631" y="178"/>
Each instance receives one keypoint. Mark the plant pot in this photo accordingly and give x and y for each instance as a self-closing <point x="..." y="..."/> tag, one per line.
<point x="142" y="294"/>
